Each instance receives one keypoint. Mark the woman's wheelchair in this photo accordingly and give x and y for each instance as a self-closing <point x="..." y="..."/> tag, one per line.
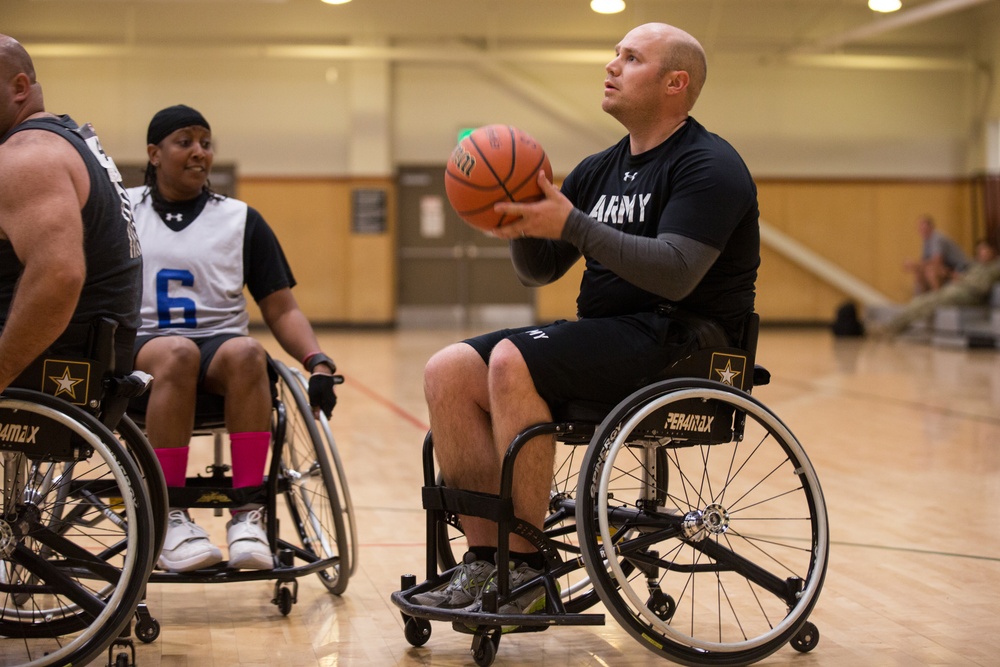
<point x="695" y="516"/>
<point x="305" y="471"/>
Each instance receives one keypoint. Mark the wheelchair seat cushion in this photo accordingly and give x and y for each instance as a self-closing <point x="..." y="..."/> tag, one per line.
<point x="209" y="410"/>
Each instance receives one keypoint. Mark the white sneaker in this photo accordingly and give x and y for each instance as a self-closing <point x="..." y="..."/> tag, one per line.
<point x="248" y="549"/>
<point x="186" y="546"/>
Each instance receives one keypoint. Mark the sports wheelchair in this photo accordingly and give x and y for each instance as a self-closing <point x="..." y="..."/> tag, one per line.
<point x="77" y="528"/>
<point x="305" y="470"/>
<point x="695" y="517"/>
<point x="84" y="508"/>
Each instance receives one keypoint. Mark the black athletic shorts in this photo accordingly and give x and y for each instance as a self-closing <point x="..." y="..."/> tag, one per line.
<point x="208" y="345"/>
<point x="596" y="360"/>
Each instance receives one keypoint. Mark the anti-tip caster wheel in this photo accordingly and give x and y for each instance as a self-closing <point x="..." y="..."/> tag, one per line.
<point x="485" y="654"/>
<point x="484" y="647"/>
<point x="806" y="638"/>
<point x="417" y="631"/>
<point x="284" y="601"/>
<point x="147" y="630"/>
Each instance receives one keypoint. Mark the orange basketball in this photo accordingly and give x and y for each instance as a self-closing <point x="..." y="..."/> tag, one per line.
<point x="495" y="163"/>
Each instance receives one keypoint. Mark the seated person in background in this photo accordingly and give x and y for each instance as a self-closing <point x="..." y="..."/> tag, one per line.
<point x="667" y="222"/>
<point x="969" y="288"/>
<point x="940" y="258"/>
<point x="68" y="250"/>
<point x="203" y="249"/>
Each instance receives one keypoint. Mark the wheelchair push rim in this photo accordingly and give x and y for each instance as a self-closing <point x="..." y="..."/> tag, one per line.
<point x="55" y="562"/>
<point x="314" y="488"/>
<point x="706" y="532"/>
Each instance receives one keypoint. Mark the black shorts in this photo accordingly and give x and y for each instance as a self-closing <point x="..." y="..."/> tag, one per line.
<point x="598" y="360"/>
<point x="208" y="345"/>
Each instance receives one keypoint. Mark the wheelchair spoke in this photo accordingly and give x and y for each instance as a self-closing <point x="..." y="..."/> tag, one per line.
<point x="310" y="470"/>
<point x="75" y="536"/>
<point x="724" y="540"/>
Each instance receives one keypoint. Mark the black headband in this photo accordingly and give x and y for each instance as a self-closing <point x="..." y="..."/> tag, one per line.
<point x="171" y="119"/>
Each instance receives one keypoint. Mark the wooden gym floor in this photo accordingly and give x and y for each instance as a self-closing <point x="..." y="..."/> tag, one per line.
<point x="905" y="439"/>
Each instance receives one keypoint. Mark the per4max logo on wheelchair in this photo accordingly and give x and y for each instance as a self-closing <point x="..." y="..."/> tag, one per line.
<point x="682" y="421"/>
<point x="19" y="434"/>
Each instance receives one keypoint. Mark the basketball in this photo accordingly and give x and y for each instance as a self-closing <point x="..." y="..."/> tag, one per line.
<point x="495" y="163"/>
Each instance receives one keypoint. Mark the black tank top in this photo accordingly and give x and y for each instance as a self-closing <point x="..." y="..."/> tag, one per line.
<point x="111" y="247"/>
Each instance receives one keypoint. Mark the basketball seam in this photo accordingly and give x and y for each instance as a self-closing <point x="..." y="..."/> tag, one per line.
<point x="513" y="160"/>
<point x="533" y="175"/>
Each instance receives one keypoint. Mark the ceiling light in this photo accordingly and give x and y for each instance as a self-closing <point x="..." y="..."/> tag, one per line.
<point x="607" y="6"/>
<point x="336" y="2"/>
<point x="884" y="6"/>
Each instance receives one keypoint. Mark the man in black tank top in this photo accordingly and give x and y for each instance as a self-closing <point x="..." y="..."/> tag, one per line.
<point x="667" y="223"/>
<point x="69" y="255"/>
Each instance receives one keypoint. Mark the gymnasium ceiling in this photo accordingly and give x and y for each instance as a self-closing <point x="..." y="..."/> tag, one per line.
<point x="925" y="34"/>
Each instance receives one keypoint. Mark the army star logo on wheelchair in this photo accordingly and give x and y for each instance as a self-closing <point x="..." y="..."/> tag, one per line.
<point x="62" y="377"/>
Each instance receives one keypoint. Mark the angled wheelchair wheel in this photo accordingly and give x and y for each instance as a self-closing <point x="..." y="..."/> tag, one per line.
<point x="138" y="446"/>
<point x="315" y="485"/>
<point x="75" y="533"/>
<point x="704" y="526"/>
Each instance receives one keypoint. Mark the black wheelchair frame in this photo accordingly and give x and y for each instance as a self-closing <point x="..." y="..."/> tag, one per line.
<point x="76" y="526"/>
<point x="84" y="509"/>
<point x="690" y="491"/>
<point x="312" y="480"/>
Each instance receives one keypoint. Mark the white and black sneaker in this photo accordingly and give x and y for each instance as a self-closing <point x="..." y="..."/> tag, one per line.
<point x="465" y="587"/>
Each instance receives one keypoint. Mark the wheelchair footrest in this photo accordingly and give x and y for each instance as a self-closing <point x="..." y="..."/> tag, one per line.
<point x="474" y="619"/>
<point x="215" y="492"/>
<point x="286" y="569"/>
<point x="505" y="629"/>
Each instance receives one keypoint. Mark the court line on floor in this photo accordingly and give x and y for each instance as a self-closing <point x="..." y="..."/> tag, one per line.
<point x="394" y="407"/>
<point x="914" y="550"/>
<point x="922" y="406"/>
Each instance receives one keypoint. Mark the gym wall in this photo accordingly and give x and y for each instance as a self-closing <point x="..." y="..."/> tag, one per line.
<point x="845" y="159"/>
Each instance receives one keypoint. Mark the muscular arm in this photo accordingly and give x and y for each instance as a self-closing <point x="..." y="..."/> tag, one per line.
<point x="43" y="183"/>
<point x="670" y="265"/>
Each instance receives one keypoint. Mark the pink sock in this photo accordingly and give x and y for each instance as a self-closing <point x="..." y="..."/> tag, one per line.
<point x="249" y="452"/>
<point x="173" y="463"/>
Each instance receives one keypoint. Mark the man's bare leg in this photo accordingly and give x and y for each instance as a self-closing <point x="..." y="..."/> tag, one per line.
<point x="455" y="386"/>
<point x="515" y="406"/>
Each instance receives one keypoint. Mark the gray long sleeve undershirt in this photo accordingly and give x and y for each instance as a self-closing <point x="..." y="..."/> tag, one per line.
<point x="670" y="265"/>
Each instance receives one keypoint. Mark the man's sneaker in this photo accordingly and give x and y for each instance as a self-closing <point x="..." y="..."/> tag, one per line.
<point x="465" y="587"/>
<point x="186" y="546"/>
<point x="248" y="549"/>
<point x="531" y="601"/>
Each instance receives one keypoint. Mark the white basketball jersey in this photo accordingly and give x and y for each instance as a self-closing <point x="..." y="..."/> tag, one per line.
<point x="192" y="280"/>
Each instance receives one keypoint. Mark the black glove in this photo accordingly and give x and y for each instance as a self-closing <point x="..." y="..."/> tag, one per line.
<point x="321" y="393"/>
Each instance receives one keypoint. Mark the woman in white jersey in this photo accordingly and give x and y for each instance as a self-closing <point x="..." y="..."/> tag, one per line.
<point x="200" y="249"/>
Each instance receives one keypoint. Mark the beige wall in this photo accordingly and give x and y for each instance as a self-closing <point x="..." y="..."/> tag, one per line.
<point x="343" y="277"/>
<point x="845" y="157"/>
<point x="865" y="227"/>
<point x="295" y="116"/>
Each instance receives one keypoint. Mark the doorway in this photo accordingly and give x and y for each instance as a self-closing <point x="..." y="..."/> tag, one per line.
<point x="451" y="274"/>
